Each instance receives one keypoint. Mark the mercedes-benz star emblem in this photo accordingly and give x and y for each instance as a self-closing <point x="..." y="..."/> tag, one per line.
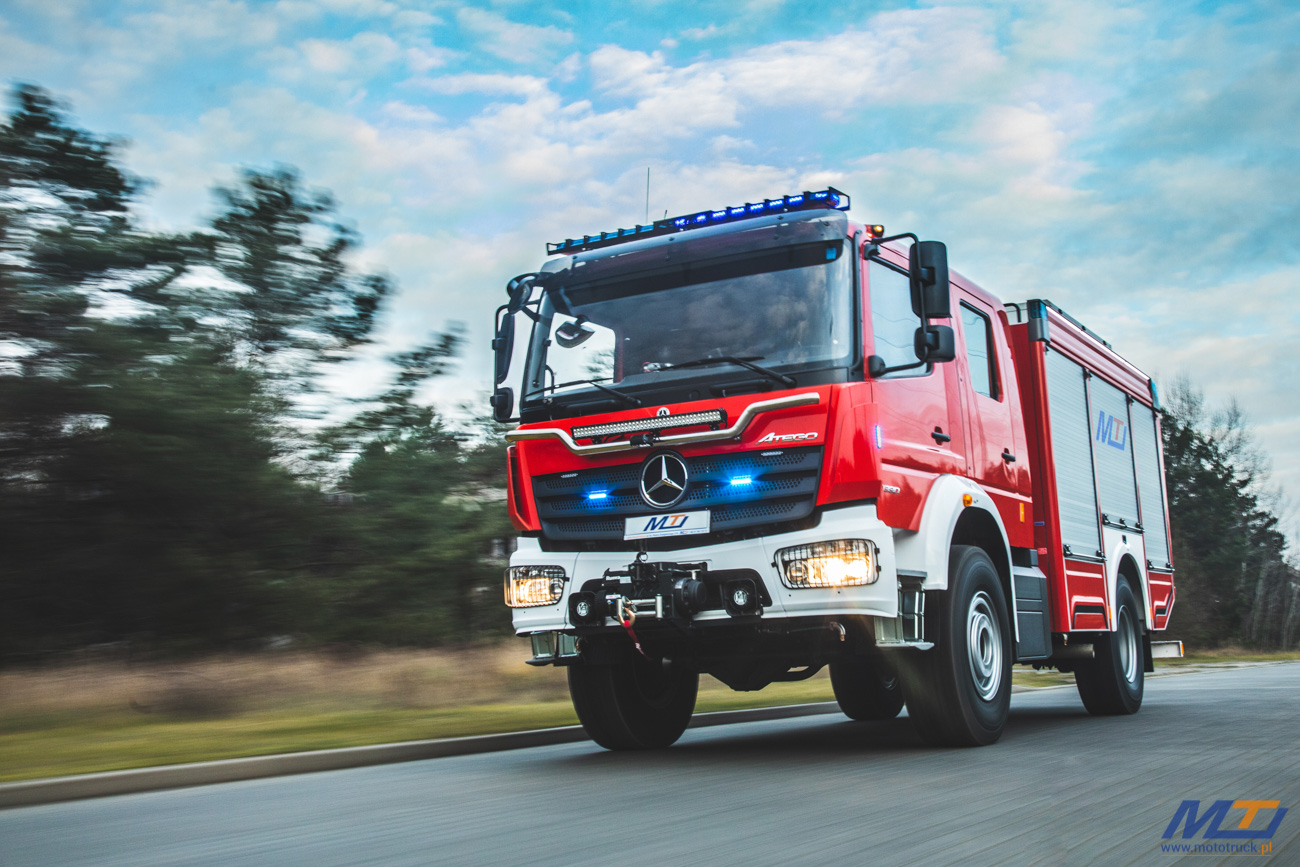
<point x="663" y="480"/>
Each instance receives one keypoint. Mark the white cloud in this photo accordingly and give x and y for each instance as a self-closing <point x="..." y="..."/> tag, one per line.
<point x="914" y="57"/>
<point x="18" y="57"/>
<point x="99" y="62"/>
<point x="697" y="33"/>
<point x="415" y="19"/>
<point x="359" y="8"/>
<point x="1053" y="31"/>
<point x="405" y="113"/>
<point x="363" y="55"/>
<point x="426" y="57"/>
<point x="1020" y="134"/>
<point x="568" y="68"/>
<point x="491" y="84"/>
<point x="178" y="27"/>
<point x="509" y="40"/>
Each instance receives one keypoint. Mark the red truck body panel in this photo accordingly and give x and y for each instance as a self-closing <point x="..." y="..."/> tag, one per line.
<point x="879" y="442"/>
<point x="1078" y="586"/>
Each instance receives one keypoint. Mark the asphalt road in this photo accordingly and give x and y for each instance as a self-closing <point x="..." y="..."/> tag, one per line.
<point x="1061" y="787"/>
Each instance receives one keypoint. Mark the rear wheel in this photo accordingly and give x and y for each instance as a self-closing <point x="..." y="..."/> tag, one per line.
<point x="958" y="692"/>
<point x="1112" y="682"/>
<point x="635" y="704"/>
<point x="866" y="688"/>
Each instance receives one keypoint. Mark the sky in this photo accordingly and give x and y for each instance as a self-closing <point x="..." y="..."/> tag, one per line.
<point x="1138" y="164"/>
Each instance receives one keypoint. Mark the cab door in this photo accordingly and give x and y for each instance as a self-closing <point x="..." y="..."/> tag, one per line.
<point x="919" y="431"/>
<point x="997" y="459"/>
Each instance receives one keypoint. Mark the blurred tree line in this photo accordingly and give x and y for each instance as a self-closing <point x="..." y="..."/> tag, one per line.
<point x="151" y="394"/>
<point x="157" y="486"/>
<point x="1234" y="581"/>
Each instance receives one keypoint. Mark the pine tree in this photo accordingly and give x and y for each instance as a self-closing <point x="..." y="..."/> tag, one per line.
<point x="301" y="303"/>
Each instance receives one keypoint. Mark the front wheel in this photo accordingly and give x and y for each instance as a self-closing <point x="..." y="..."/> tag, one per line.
<point x="1111" y="683"/>
<point x="866" y="688"/>
<point x="634" y="704"/>
<point x="959" y="691"/>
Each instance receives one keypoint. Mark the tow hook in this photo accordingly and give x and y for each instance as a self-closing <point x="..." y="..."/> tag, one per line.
<point x="626" y="614"/>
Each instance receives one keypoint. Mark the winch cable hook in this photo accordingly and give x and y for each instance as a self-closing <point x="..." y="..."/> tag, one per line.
<point x="626" y="618"/>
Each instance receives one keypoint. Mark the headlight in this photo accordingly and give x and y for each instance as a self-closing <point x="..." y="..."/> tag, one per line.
<point x="842" y="563"/>
<point x="530" y="586"/>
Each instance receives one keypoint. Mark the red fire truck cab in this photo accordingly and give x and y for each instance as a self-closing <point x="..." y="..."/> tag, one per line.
<point x="763" y="439"/>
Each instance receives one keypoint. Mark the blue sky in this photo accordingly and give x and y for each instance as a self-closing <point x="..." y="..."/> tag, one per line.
<point x="1136" y="163"/>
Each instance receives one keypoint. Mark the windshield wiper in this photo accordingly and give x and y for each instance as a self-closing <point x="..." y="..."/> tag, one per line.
<point x="745" y="362"/>
<point x="626" y="398"/>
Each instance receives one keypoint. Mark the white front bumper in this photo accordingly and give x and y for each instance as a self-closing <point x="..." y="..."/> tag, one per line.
<point x="853" y="522"/>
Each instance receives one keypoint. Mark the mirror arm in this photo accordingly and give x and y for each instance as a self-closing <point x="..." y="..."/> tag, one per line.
<point x="874" y="244"/>
<point x="877" y="372"/>
<point x="872" y="248"/>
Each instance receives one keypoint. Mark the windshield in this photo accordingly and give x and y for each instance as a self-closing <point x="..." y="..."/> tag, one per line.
<point x="790" y="308"/>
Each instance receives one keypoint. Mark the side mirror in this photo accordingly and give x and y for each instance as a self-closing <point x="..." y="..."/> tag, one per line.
<point x="571" y="334"/>
<point x="503" y="345"/>
<point x="503" y="404"/>
<point x="928" y="263"/>
<point x="935" y="343"/>
<point x="519" y="290"/>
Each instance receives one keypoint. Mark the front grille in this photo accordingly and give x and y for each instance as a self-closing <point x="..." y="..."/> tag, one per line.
<point x="782" y="487"/>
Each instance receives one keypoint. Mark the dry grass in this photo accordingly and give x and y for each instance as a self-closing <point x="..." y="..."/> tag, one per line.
<point x="1198" y="656"/>
<point x="224" y="686"/>
<point x="105" y="715"/>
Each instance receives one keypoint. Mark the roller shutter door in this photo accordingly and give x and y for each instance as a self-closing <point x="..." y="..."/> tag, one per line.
<point x="1067" y="400"/>
<point x="1112" y="445"/>
<point x="1146" y="445"/>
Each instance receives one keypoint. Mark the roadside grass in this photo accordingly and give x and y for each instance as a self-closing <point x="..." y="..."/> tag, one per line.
<point x="1230" y="654"/>
<point x="108" y="715"/>
<point x="103" y="716"/>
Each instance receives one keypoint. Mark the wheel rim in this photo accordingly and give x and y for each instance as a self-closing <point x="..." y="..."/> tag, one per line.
<point x="1128" y="651"/>
<point x="984" y="646"/>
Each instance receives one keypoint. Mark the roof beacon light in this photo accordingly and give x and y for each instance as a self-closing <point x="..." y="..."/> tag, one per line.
<point x="827" y="198"/>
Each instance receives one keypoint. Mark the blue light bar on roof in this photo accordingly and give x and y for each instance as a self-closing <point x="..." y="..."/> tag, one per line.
<point x="827" y="198"/>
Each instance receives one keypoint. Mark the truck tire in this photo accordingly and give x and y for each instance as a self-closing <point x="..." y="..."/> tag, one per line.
<point x="634" y="704"/>
<point x="1112" y="682"/>
<point x="866" y="688"/>
<point x="959" y="691"/>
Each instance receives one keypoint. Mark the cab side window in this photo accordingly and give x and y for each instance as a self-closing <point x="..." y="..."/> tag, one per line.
<point x="978" y="332"/>
<point x="893" y="324"/>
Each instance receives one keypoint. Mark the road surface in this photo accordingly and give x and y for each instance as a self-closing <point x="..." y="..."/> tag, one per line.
<point x="1061" y="787"/>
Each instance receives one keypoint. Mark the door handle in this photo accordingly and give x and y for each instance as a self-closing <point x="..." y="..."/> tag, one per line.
<point x="940" y="436"/>
<point x="1008" y="457"/>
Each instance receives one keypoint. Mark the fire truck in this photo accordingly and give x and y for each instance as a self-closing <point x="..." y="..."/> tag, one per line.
<point x="763" y="439"/>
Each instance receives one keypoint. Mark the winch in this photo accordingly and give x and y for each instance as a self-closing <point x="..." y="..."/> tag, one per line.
<point x="669" y="592"/>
